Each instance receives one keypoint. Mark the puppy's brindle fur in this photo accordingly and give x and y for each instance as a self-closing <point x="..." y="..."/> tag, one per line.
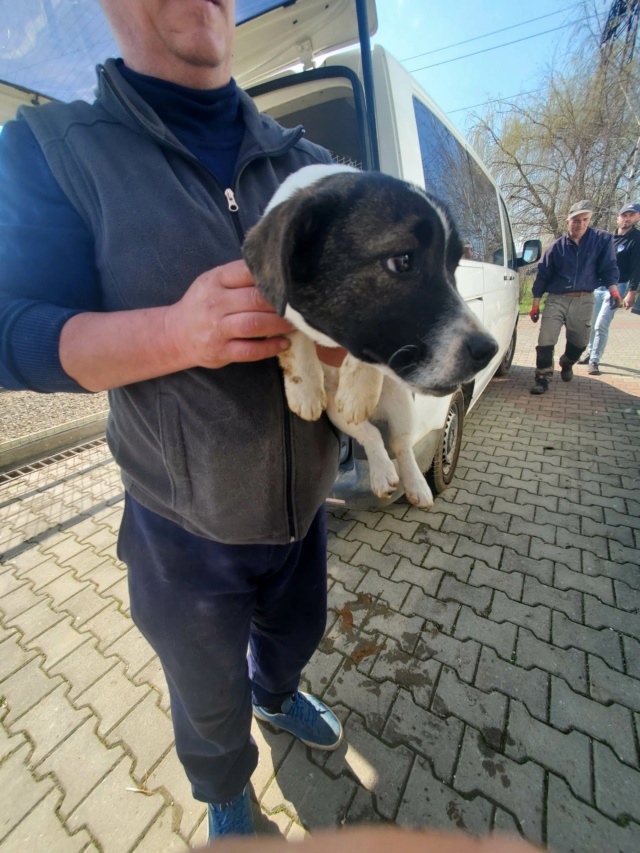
<point x="365" y="261"/>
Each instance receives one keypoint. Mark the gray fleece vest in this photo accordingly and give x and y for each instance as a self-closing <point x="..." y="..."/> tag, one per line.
<point x="216" y="451"/>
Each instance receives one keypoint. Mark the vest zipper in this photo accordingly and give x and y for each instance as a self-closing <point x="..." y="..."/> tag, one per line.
<point x="232" y="204"/>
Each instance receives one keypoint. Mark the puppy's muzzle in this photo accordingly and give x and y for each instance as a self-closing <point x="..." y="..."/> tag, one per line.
<point x="480" y="349"/>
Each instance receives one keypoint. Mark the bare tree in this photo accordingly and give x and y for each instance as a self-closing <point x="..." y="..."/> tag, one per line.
<point x="576" y="139"/>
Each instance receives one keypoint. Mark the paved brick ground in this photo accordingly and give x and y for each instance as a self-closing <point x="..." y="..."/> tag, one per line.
<point x="484" y="656"/>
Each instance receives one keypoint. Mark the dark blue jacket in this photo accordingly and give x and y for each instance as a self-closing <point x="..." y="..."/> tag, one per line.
<point x="568" y="267"/>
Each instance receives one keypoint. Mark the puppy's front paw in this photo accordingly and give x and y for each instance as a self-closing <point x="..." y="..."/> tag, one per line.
<point x="355" y="408"/>
<point x="384" y="478"/>
<point x="306" y="400"/>
<point x="419" y="494"/>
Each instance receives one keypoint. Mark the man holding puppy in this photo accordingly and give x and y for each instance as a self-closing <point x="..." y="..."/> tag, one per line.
<point x="569" y="272"/>
<point x="122" y="225"/>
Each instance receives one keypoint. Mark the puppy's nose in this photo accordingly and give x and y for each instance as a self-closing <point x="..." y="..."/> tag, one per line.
<point x="482" y="349"/>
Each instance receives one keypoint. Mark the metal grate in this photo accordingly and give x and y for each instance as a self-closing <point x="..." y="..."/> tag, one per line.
<point x="343" y="160"/>
<point x="16" y="473"/>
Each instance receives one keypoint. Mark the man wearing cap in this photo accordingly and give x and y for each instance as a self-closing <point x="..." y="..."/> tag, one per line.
<point x="569" y="272"/>
<point x="627" y="246"/>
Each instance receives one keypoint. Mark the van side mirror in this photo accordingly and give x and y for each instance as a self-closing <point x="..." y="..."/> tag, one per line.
<point x="531" y="252"/>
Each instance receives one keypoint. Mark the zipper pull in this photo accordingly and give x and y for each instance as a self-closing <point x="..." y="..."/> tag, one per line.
<point x="231" y="201"/>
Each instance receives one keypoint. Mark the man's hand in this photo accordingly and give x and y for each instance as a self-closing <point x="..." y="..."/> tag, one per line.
<point x="616" y="301"/>
<point x="223" y="318"/>
<point x="630" y="299"/>
<point x="535" y="313"/>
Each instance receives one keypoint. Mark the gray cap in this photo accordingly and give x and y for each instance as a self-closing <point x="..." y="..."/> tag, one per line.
<point x="629" y="208"/>
<point x="579" y="208"/>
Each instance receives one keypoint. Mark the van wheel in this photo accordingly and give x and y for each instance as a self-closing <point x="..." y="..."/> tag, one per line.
<point x="445" y="460"/>
<point x="505" y="365"/>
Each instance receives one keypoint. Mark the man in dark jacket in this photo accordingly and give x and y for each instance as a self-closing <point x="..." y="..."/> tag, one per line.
<point x="121" y="226"/>
<point x="627" y="245"/>
<point x="570" y="270"/>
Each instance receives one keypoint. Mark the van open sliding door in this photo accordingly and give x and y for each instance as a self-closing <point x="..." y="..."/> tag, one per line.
<point x="328" y="103"/>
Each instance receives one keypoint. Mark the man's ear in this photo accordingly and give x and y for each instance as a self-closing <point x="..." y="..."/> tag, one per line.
<point x="284" y="247"/>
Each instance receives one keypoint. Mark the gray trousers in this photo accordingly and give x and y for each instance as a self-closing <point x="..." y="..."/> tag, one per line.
<point x="574" y="312"/>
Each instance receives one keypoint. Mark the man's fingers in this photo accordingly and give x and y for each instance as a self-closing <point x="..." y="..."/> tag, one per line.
<point x="247" y="324"/>
<point x="247" y="350"/>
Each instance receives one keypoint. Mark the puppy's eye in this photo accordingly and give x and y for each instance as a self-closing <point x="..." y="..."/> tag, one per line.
<point x="399" y="263"/>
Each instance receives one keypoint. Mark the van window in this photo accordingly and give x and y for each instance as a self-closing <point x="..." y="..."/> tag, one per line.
<point x="451" y="174"/>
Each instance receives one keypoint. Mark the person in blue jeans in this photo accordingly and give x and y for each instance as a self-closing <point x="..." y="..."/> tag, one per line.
<point x="121" y="228"/>
<point x="627" y="248"/>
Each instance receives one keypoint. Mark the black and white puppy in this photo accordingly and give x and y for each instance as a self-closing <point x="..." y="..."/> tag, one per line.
<point x="365" y="261"/>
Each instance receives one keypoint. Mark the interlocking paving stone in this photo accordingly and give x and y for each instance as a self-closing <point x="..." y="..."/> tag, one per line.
<point x="568" y="601"/>
<point x="575" y="827"/>
<point x="536" y="619"/>
<point x="539" y="568"/>
<point x="411" y="672"/>
<point x="607" y="685"/>
<point x="461" y="655"/>
<point x="427" y="802"/>
<point x="609" y="723"/>
<point x="437" y="739"/>
<point x="380" y="769"/>
<point x="510" y="583"/>
<point x="617" y="785"/>
<point x="147" y="733"/>
<point x="427" y="579"/>
<point x="25" y="688"/>
<point x="442" y="613"/>
<point x="632" y="656"/>
<point x="568" y="755"/>
<point x="135" y="812"/>
<point x="42" y="830"/>
<point x="460" y="567"/>
<point x="601" y="587"/>
<point x="604" y="642"/>
<point x="308" y="793"/>
<point x="600" y="615"/>
<point x="500" y="636"/>
<point x="530" y="686"/>
<point x="517" y="787"/>
<point x="20" y="790"/>
<point x="484" y="710"/>
<point x="111" y="697"/>
<point x="477" y="598"/>
<point x="371" y="699"/>
<point x="570" y="664"/>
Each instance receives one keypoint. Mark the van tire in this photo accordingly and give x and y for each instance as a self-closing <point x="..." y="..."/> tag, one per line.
<point x="505" y="365"/>
<point x="445" y="459"/>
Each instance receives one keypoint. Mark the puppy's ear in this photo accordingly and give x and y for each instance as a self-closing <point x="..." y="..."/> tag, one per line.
<point x="264" y="253"/>
<point x="455" y="250"/>
<point x="285" y="245"/>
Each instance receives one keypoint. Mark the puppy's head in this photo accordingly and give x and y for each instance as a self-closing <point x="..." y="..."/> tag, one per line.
<point x="368" y="261"/>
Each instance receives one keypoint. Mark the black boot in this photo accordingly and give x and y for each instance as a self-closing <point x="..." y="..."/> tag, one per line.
<point x="542" y="383"/>
<point x="571" y="355"/>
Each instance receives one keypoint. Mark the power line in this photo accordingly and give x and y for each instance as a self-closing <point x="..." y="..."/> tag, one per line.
<point x="496" y="100"/>
<point x="492" y="33"/>
<point x="504" y="44"/>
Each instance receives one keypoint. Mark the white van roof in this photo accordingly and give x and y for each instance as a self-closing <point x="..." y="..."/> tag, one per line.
<point x="280" y="37"/>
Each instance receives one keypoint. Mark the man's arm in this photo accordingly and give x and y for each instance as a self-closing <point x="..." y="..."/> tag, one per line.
<point x="634" y="278"/>
<point x="222" y="318"/>
<point x="539" y="288"/>
<point x="606" y="267"/>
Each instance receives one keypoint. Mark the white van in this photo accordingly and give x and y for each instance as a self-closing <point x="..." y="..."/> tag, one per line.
<point x="371" y="113"/>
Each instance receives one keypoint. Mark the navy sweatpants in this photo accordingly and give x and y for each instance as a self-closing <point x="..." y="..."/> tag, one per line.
<point x="201" y="605"/>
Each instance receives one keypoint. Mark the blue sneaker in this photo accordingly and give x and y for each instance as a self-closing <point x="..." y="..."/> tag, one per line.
<point x="307" y="718"/>
<point x="232" y="818"/>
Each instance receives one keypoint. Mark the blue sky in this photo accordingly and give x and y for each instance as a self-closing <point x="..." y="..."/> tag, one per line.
<point x="411" y="27"/>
